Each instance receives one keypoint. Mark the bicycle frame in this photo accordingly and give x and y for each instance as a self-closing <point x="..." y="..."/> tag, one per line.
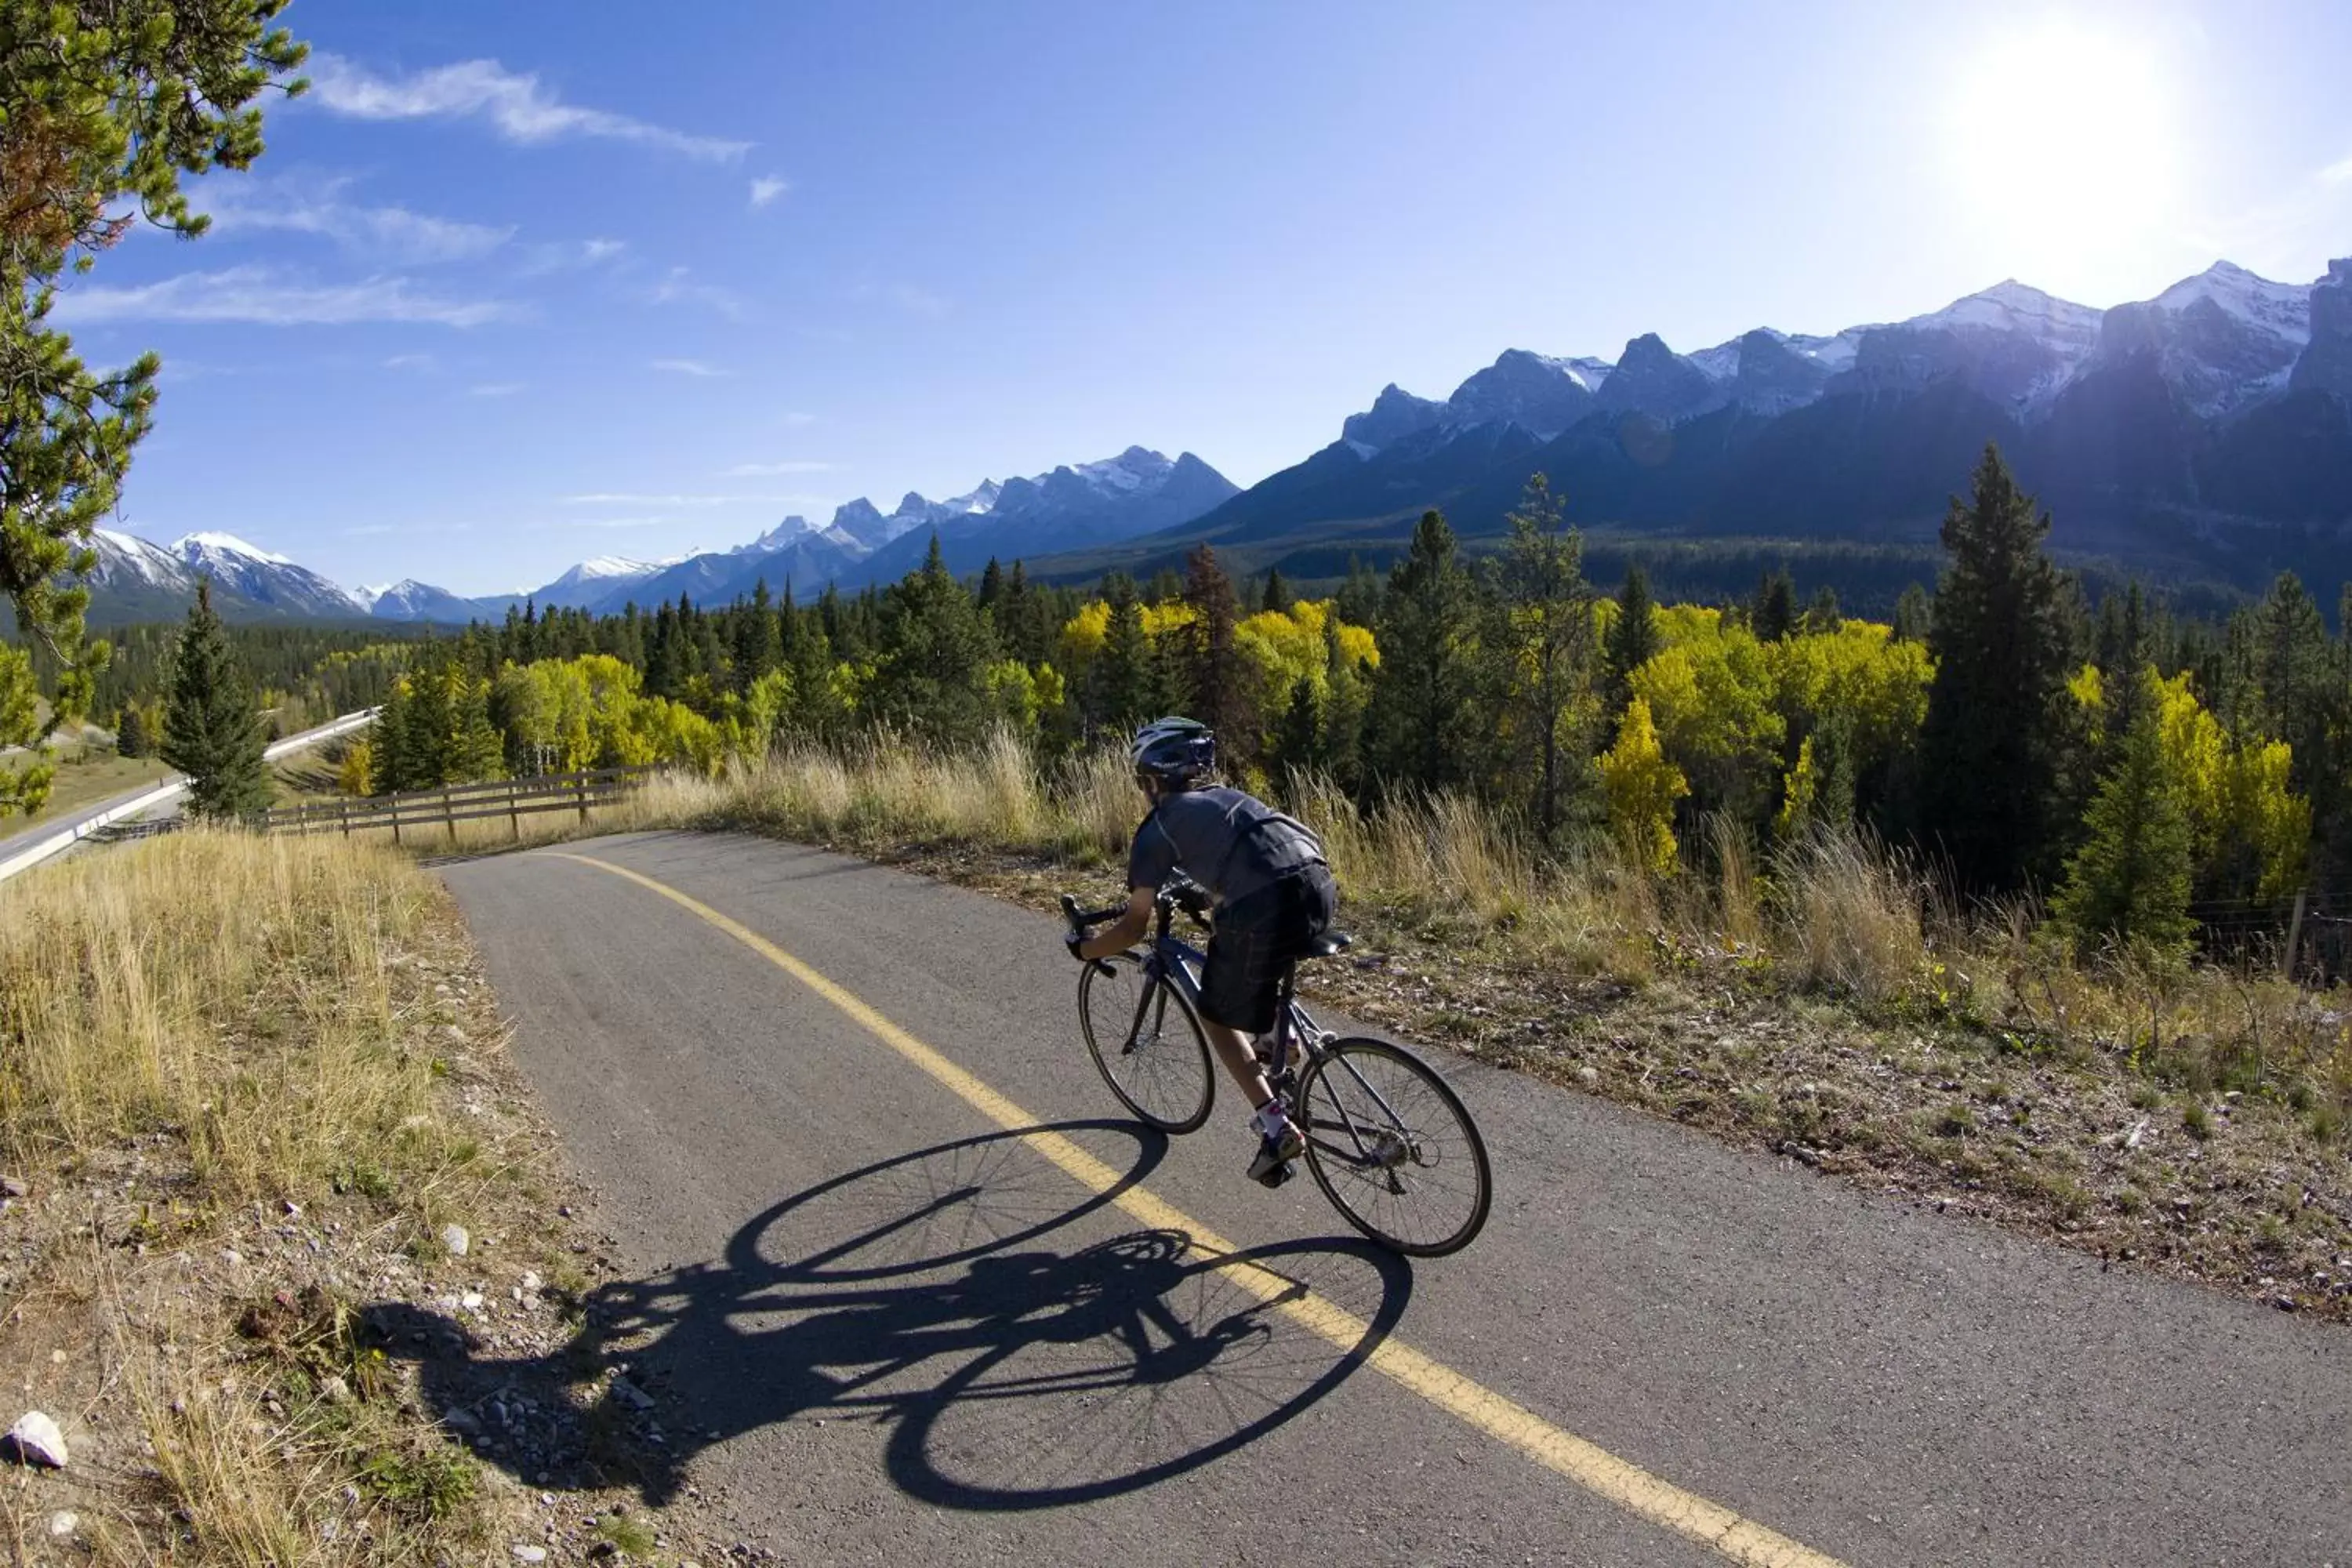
<point x="1170" y="959"/>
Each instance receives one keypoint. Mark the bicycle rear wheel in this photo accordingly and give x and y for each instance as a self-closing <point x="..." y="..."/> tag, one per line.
<point x="1393" y="1148"/>
<point x="1146" y="1045"/>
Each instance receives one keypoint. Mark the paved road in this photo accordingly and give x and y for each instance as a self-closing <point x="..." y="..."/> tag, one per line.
<point x="60" y="835"/>
<point x="895" y="1332"/>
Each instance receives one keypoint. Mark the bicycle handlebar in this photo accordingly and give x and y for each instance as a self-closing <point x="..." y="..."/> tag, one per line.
<point x="1180" y="893"/>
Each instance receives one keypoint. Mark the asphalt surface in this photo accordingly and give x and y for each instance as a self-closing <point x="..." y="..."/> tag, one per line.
<point x="884" y="1329"/>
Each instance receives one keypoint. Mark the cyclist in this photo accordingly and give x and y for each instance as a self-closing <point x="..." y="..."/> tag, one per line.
<point x="1273" y="894"/>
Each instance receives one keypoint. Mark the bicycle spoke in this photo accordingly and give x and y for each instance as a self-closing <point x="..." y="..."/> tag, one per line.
<point x="1392" y="1147"/>
<point x="1146" y="1045"/>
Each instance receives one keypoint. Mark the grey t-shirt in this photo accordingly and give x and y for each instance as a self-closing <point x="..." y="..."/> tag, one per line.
<point x="1200" y="832"/>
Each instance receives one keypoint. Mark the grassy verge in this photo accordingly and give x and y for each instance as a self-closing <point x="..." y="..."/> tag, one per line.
<point x="85" y="776"/>
<point x="1825" y="1004"/>
<point x="247" y="1086"/>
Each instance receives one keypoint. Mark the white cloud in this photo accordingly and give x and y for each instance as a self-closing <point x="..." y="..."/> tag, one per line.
<point x="494" y="389"/>
<point x="569" y="255"/>
<point x="767" y="188"/>
<point x="410" y="361"/>
<point x="2337" y="174"/>
<point x="689" y="367"/>
<point x="316" y="206"/>
<point x="514" y="103"/>
<point x="682" y="288"/>
<point x="257" y="294"/>
<point x="758" y="470"/>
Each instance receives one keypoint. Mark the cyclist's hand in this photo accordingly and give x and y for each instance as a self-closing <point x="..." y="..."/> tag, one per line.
<point x="1071" y="941"/>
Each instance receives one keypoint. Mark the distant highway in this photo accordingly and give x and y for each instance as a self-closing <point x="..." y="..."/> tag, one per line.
<point x="35" y="845"/>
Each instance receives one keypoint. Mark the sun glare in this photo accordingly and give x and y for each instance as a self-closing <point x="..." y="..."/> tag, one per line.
<point x="2062" y="137"/>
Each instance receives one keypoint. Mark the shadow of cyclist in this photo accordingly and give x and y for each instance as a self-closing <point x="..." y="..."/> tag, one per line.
<point x="950" y="1294"/>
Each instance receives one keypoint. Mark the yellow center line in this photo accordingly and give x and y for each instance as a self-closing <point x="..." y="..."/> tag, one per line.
<point x="1590" y="1466"/>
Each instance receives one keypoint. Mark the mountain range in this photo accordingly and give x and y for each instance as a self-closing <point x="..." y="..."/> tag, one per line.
<point x="2205" y="433"/>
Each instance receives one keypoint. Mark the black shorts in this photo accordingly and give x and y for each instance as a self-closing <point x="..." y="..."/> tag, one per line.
<point x="1256" y="938"/>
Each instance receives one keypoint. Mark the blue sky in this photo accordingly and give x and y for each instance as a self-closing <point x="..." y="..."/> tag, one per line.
<point x="523" y="283"/>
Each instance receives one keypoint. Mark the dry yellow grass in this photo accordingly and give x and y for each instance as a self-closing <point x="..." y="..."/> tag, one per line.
<point x="229" y="989"/>
<point x="201" y="1037"/>
<point x="1835" y="915"/>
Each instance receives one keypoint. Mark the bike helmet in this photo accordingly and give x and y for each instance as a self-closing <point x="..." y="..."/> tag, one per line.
<point x="1174" y="750"/>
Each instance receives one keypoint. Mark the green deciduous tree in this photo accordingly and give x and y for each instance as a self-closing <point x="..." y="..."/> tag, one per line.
<point x="1991" y="744"/>
<point x="210" y="730"/>
<point x="103" y="106"/>
<point x="1640" y="786"/>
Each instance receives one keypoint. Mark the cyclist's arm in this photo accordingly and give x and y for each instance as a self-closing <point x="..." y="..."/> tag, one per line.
<point x="1125" y="932"/>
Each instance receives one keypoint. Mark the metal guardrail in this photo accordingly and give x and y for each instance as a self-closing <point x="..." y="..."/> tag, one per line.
<point x="421" y="810"/>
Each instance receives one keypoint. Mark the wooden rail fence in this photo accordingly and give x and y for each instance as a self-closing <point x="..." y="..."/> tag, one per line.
<point x="423" y="810"/>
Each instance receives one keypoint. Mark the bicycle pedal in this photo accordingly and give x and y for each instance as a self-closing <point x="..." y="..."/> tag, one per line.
<point x="1276" y="1176"/>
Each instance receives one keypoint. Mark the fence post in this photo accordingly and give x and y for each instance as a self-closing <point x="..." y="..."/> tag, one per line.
<point x="581" y="782"/>
<point x="343" y="813"/>
<point x="449" y="814"/>
<point x="393" y="801"/>
<point x="2293" y="934"/>
<point x="514" y="808"/>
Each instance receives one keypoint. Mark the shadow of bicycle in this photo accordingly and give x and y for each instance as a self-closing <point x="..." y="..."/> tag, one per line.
<point x="1023" y="1351"/>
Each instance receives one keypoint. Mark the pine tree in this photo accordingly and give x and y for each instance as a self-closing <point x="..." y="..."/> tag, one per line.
<point x="936" y="649"/>
<point x="105" y="107"/>
<point x="211" y="730"/>
<point x="1125" y="679"/>
<point x="1775" y="615"/>
<point x="1215" y="672"/>
<point x="1297" y="739"/>
<point x="1634" y="637"/>
<point x="131" y="737"/>
<point x="759" y="648"/>
<point x="1358" y="602"/>
<point x="1823" y="615"/>
<point x="1542" y="643"/>
<point x="1423" y="727"/>
<point x="2291" y="669"/>
<point x="1277" y="593"/>
<point x="1912" y="618"/>
<point x="991" y="586"/>
<point x="1990" y="748"/>
<point x="2129" y="882"/>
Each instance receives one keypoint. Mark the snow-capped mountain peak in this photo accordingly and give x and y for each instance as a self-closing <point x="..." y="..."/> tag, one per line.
<point x="196" y="548"/>
<point x="2012" y="307"/>
<point x="1130" y="469"/>
<point x="2283" y="309"/>
<point x="124" y="554"/>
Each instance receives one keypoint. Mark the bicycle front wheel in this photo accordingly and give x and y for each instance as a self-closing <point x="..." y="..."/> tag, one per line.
<point x="1393" y="1148"/>
<point x="1146" y="1044"/>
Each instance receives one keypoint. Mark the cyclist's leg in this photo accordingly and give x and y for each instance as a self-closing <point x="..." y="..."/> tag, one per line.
<point x="1239" y="981"/>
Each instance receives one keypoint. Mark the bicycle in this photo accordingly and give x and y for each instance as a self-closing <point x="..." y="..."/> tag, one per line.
<point x="1387" y="1138"/>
